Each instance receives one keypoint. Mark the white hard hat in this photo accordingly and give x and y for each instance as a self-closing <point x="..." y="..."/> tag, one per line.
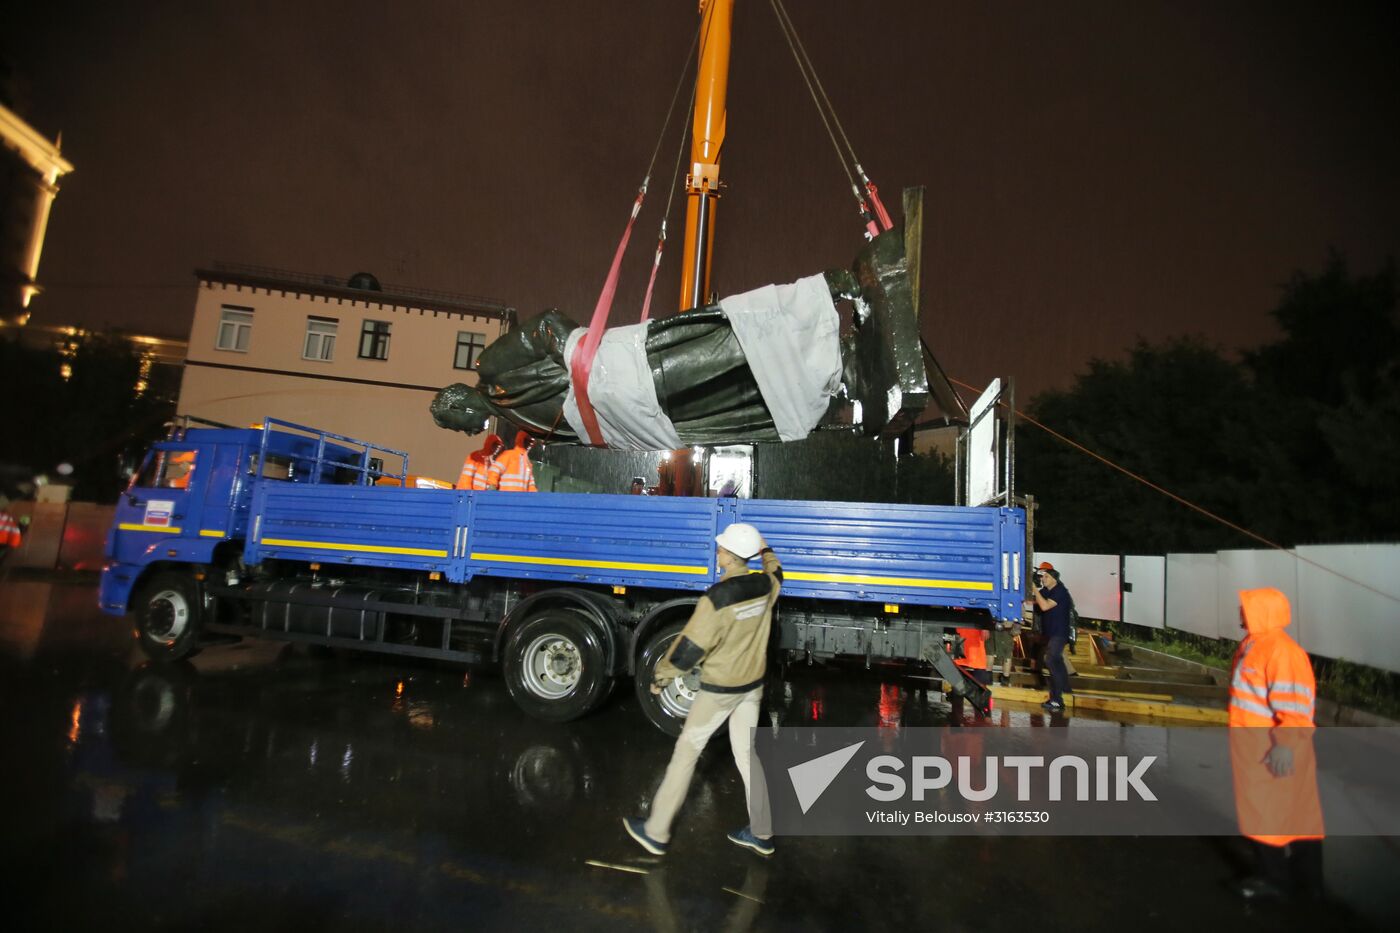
<point x="740" y="540"/>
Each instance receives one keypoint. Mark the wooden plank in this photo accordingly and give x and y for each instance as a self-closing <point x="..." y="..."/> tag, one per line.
<point x="1120" y="705"/>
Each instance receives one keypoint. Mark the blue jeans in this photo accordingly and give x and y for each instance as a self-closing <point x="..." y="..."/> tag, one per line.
<point x="1055" y="664"/>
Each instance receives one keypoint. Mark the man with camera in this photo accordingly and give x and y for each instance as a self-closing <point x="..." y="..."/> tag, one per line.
<point x="1054" y="601"/>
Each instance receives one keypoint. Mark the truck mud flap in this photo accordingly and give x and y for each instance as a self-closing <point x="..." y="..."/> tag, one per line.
<point x="979" y="695"/>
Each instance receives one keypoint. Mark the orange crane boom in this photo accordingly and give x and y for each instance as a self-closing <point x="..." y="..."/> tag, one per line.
<point x="707" y="139"/>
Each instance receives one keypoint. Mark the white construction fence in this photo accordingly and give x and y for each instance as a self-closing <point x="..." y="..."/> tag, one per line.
<point x="1345" y="597"/>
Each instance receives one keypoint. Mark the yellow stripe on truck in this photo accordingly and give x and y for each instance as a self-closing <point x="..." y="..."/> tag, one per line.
<point x="163" y="529"/>
<point x="593" y="564"/>
<point x="885" y="581"/>
<point x="365" y="548"/>
<point x="210" y="533"/>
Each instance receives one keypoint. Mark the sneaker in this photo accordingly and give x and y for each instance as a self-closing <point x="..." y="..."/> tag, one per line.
<point x="1053" y="706"/>
<point x="636" y="828"/>
<point x="745" y="837"/>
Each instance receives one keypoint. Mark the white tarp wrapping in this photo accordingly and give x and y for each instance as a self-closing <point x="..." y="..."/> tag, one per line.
<point x="790" y="335"/>
<point x="621" y="391"/>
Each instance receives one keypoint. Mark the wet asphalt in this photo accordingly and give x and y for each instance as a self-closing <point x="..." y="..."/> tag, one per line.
<point x="270" y="786"/>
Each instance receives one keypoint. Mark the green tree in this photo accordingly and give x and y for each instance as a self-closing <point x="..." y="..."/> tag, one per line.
<point x="1326" y="421"/>
<point x="1167" y="413"/>
<point x="1299" y="444"/>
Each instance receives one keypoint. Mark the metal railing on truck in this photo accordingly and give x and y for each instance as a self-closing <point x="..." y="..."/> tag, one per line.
<point x="366" y="468"/>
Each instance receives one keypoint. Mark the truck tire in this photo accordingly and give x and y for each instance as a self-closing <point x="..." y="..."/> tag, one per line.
<point x="168" y="610"/>
<point x="555" y="665"/>
<point x="667" y="711"/>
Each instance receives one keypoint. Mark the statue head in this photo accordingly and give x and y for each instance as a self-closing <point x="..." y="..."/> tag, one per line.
<point x="460" y="407"/>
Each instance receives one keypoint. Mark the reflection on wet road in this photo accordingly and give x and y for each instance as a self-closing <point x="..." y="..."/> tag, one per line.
<point x="262" y="784"/>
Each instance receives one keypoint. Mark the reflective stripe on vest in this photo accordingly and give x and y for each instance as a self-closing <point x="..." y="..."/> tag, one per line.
<point x="1267" y="704"/>
<point x="467" y="477"/>
<point x="1249" y="706"/>
<point x="516" y="474"/>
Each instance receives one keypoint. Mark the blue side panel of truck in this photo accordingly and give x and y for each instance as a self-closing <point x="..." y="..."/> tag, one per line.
<point x="970" y="558"/>
<point x="571" y="538"/>
<point x="379" y="526"/>
<point x="906" y="554"/>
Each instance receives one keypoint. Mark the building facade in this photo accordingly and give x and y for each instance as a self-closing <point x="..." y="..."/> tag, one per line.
<point x="341" y="355"/>
<point x="30" y="168"/>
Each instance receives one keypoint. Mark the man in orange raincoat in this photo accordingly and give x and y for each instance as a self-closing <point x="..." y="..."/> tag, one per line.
<point x="475" y="463"/>
<point x="482" y="474"/>
<point x="1272" y="694"/>
<point x="512" y="471"/>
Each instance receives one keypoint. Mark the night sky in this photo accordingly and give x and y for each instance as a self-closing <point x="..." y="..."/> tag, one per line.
<point x="1096" y="171"/>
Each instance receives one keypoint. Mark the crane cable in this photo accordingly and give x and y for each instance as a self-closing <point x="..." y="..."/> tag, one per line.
<point x="825" y="108"/>
<point x="1174" y="497"/>
<point x="670" y="199"/>
<point x="581" y="365"/>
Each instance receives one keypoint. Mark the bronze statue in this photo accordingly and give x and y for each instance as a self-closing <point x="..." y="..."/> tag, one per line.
<point x="701" y="375"/>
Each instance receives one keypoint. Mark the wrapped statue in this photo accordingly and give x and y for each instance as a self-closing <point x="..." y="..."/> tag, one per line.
<point x="767" y="365"/>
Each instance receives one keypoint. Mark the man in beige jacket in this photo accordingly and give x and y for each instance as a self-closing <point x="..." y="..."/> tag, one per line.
<point x="727" y="637"/>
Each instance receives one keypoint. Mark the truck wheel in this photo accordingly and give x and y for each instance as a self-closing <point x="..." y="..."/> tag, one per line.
<point x="667" y="710"/>
<point x="168" y="612"/>
<point x="556" y="667"/>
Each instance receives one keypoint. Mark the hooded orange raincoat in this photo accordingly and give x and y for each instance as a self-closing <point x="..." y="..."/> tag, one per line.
<point x="485" y="477"/>
<point x="471" y="467"/>
<point x="1272" y="694"/>
<point x="512" y="471"/>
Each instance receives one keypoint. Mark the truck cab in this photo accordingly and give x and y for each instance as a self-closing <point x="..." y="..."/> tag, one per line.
<point x="192" y="492"/>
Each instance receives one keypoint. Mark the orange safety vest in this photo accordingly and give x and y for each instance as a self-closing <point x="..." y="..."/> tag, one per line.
<point x="1272" y="698"/>
<point x="974" y="649"/>
<point x="9" y="531"/>
<point x="485" y="477"/>
<point x="512" y="471"/>
<point x="470" y="467"/>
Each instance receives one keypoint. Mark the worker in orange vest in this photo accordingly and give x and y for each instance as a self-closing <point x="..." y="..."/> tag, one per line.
<point x="10" y="535"/>
<point x="974" y="659"/>
<point x="1272" y="694"/>
<point x="973" y="663"/>
<point x="512" y="471"/>
<point x="484" y="477"/>
<point x="178" y="469"/>
<point x="474" y="464"/>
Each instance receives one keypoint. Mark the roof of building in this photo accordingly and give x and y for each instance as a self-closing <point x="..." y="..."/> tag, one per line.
<point x="335" y="286"/>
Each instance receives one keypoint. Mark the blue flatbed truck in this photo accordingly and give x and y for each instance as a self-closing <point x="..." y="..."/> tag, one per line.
<point x="286" y="532"/>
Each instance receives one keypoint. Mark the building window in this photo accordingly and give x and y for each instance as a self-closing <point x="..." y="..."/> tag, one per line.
<point x="320" y="338"/>
<point x="469" y="347"/>
<point x="235" y="329"/>
<point x="374" y="340"/>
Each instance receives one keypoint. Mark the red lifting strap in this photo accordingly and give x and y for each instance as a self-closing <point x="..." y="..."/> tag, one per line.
<point x="879" y="208"/>
<point x="582" y="366"/>
<point x="655" y="266"/>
